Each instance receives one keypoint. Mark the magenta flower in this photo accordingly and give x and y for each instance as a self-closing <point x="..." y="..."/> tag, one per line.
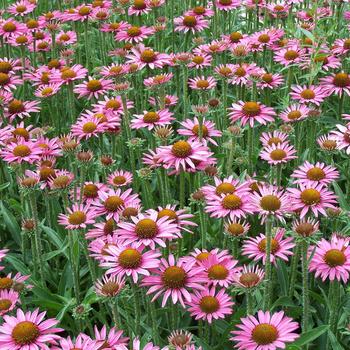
<point x="149" y="119"/>
<point x="249" y="277"/>
<point x="22" y="151"/>
<point x="134" y="34"/>
<point x="148" y="230"/>
<point x="82" y="342"/>
<point x="131" y="261"/>
<point x="311" y="198"/>
<point x="270" y="200"/>
<point x="336" y="84"/>
<point x="227" y="5"/>
<point x="278" y="154"/>
<point x="273" y="138"/>
<point x="109" y="286"/>
<point x="312" y="94"/>
<point x="183" y="155"/>
<point x="250" y="113"/>
<point x="202" y="83"/>
<point x="270" y="81"/>
<point x="136" y="345"/>
<point x="21" y="109"/>
<point x="93" y="88"/>
<point x="290" y="55"/>
<point x="255" y="247"/>
<point x="218" y="270"/>
<point x="191" y="129"/>
<point x="88" y="126"/>
<point x="319" y="173"/>
<point x="113" y="339"/>
<point x="9" y="81"/>
<point x="210" y="305"/>
<point x="120" y="178"/>
<point x="112" y="202"/>
<point x="28" y="331"/>
<point x="79" y="216"/>
<point x="331" y="259"/>
<point x="146" y="57"/>
<point x="267" y="331"/>
<point x="225" y="186"/>
<point x="342" y="137"/>
<point x="232" y="205"/>
<point x="8" y="301"/>
<point x="69" y="74"/>
<point x="295" y="113"/>
<point x="173" y="279"/>
<point x="190" y="23"/>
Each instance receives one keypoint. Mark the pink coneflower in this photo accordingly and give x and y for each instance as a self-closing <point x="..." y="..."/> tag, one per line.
<point x="8" y="301"/>
<point x="114" y="27"/>
<point x="99" y="246"/>
<point x="183" y="154"/>
<point x="79" y="216"/>
<point x="180" y="216"/>
<point x="18" y="40"/>
<point x="341" y="46"/>
<point x="139" y="7"/>
<point x="290" y="55"/>
<point x="102" y="230"/>
<point x="9" y="81"/>
<point x="21" y="109"/>
<point x="305" y="227"/>
<point x="180" y="339"/>
<point x="218" y="270"/>
<point x="134" y="34"/>
<point x="66" y="38"/>
<point x="148" y="230"/>
<point x="319" y="173"/>
<point x="111" y="340"/>
<point x="308" y="94"/>
<point x="190" y="23"/>
<point x="146" y="57"/>
<point x="112" y="202"/>
<point x="120" y="178"/>
<point x="191" y="129"/>
<point x="227" y="5"/>
<point x="224" y="186"/>
<point x="136" y="345"/>
<point x="82" y="342"/>
<point x="273" y="138"/>
<point x="324" y="60"/>
<point x="270" y="200"/>
<point x="112" y="106"/>
<point x="232" y="205"/>
<point x="249" y="277"/>
<point x="210" y="305"/>
<point x="114" y="70"/>
<point x="87" y="127"/>
<point x="338" y="84"/>
<point x="173" y="279"/>
<point x="158" y="80"/>
<point x="295" y="113"/>
<point x="341" y="137"/>
<point x="243" y="73"/>
<point x="93" y="88"/>
<point x="21" y="8"/>
<point x="311" y="197"/>
<point x="250" y="113"/>
<point x="267" y="331"/>
<point x="278" y="153"/>
<point x="270" y="81"/>
<point x="199" y="61"/>
<point x="9" y="26"/>
<point x="90" y="191"/>
<point x="12" y="282"/>
<point x="255" y="247"/>
<point x="69" y="74"/>
<point x="202" y="83"/>
<point x="236" y="228"/>
<point x="266" y="38"/>
<point x="130" y="261"/>
<point x="109" y="286"/>
<point x="21" y="151"/>
<point x="149" y="119"/>
<point x="61" y="180"/>
<point x="49" y="147"/>
<point x="169" y="100"/>
<point x="28" y="331"/>
<point x="331" y="259"/>
<point x="45" y="91"/>
<point x="200" y="11"/>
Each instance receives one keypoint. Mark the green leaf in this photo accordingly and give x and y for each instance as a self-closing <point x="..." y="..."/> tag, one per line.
<point x="311" y="335"/>
<point x="11" y="223"/>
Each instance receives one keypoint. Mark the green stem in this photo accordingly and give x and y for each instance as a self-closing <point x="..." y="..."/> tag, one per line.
<point x="305" y="274"/>
<point x="268" y="265"/>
